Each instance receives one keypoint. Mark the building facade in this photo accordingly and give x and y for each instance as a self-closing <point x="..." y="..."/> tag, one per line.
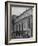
<point x="23" y="25"/>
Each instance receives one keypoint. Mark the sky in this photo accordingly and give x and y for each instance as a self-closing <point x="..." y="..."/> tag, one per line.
<point x="18" y="10"/>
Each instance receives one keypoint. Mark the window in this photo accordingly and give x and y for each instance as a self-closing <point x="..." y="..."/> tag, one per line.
<point x="21" y="27"/>
<point x="16" y="27"/>
<point x="24" y="25"/>
<point x="29" y="22"/>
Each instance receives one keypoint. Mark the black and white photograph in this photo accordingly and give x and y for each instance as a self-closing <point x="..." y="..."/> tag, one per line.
<point x="20" y="22"/>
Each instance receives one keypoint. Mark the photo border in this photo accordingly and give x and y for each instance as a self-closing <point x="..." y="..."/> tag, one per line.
<point x="6" y="12"/>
